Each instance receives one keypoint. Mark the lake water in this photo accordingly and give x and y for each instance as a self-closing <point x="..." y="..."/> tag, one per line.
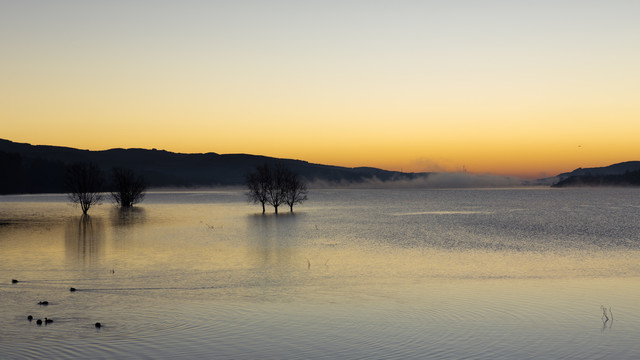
<point x="352" y="274"/>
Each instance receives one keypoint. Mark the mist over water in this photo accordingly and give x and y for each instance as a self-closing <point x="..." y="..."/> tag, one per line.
<point x="443" y="180"/>
<point x="404" y="273"/>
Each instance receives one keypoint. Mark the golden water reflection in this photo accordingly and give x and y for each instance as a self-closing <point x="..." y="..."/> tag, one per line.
<point x="128" y="217"/>
<point x="84" y="239"/>
<point x="272" y="240"/>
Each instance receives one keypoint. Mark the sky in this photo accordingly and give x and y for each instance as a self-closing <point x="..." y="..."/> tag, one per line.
<point x="523" y="88"/>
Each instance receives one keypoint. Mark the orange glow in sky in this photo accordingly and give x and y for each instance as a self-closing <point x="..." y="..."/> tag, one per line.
<point x="513" y="88"/>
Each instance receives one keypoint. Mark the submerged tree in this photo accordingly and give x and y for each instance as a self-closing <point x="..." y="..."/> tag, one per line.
<point x="84" y="182"/>
<point x="258" y="184"/>
<point x="276" y="194"/>
<point x="295" y="190"/>
<point x="127" y="188"/>
<point x="275" y="185"/>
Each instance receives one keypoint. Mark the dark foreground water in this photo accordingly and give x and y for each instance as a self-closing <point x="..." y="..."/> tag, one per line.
<point x="354" y="274"/>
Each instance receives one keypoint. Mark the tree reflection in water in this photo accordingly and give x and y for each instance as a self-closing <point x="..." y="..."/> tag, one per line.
<point x="273" y="239"/>
<point x="126" y="217"/>
<point x="125" y="225"/>
<point x="84" y="239"/>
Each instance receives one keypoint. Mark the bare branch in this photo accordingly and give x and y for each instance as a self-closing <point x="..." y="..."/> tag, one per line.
<point x="127" y="188"/>
<point x="84" y="181"/>
<point x="275" y="185"/>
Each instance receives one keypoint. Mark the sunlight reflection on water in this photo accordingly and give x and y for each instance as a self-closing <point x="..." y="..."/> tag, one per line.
<point x="351" y="274"/>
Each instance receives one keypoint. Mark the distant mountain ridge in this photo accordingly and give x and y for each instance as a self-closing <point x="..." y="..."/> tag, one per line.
<point x="30" y="168"/>
<point x="615" y="169"/>
<point x="621" y="174"/>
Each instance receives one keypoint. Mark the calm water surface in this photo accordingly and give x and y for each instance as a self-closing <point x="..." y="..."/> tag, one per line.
<point x="352" y="274"/>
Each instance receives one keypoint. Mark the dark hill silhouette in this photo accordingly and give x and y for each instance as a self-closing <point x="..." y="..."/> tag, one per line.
<point x="615" y="169"/>
<point x="40" y="168"/>
<point x="620" y="174"/>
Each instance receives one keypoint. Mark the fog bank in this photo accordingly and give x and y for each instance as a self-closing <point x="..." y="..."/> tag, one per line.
<point x="430" y="181"/>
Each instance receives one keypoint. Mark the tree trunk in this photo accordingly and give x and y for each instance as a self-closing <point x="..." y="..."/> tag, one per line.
<point x="275" y="207"/>
<point x="291" y="207"/>
<point x="263" y="207"/>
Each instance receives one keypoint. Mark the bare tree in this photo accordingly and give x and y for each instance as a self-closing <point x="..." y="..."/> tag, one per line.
<point x="84" y="183"/>
<point x="127" y="188"/>
<point x="275" y="185"/>
<point x="276" y="193"/>
<point x="295" y="190"/>
<point x="258" y="184"/>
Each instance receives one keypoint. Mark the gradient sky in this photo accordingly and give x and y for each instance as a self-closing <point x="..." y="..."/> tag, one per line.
<point x="528" y="88"/>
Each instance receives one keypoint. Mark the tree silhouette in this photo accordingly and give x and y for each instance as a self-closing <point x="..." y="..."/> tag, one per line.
<point x="275" y="185"/>
<point x="258" y="184"/>
<point x="127" y="188"/>
<point x="295" y="190"/>
<point x="276" y="193"/>
<point x="84" y="181"/>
